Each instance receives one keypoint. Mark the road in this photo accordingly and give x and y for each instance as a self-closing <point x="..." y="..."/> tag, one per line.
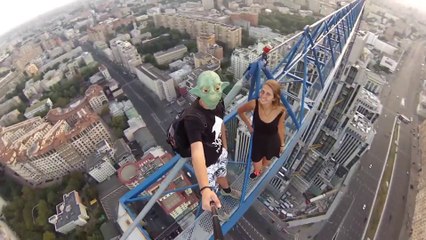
<point x="351" y="220"/>
<point x="154" y="112"/>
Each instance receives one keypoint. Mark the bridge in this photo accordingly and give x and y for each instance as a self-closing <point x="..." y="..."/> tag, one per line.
<point x="308" y="63"/>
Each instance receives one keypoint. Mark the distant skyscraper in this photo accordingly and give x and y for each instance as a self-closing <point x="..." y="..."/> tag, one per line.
<point x="242" y="144"/>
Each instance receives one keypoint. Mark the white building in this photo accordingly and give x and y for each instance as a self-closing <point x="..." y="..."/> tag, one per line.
<point x="378" y="44"/>
<point x="105" y="72"/>
<point x="242" y="143"/>
<point x="87" y="58"/>
<point x="96" y="97"/>
<point x="157" y="81"/>
<point x="242" y="57"/>
<point x="389" y="63"/>
<point x="126" y="54"/>
<point x="69" y="214"/>
<point x="100" y="165"/>
<point x="43" y="105"/>
<point x="374" y="82"/>
<point x="171" y="54"/>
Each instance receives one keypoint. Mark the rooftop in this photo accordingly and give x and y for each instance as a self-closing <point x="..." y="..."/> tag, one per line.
<point x="153" y="72"/>
<point x="37" y="105"/>
<point x="68" y="210"/>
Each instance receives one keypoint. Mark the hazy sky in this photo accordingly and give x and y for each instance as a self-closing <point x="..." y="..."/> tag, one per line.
<point x="15" y="12"/>
<point x="420" y="4"/>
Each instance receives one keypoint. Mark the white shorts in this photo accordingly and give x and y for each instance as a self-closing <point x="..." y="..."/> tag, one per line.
<point x="218" y="169"/>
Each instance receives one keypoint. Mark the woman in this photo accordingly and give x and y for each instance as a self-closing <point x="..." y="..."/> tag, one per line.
<point x="268" y="124"/>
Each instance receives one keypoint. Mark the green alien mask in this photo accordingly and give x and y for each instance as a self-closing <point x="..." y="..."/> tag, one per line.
<point x="209" y="88"/>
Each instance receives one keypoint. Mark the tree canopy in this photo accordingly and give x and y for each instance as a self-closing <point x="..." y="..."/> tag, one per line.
<point x="284" y="23"/>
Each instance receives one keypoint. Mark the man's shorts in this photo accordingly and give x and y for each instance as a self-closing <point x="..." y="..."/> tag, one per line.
<point x="218" y="169"/>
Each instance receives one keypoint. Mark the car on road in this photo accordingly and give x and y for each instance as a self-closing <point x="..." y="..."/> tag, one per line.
<point x="370" y="166"/>
<point x="364" y="206"/>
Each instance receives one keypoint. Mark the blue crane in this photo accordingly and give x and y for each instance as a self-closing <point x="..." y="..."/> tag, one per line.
<point x="311" y="59"/>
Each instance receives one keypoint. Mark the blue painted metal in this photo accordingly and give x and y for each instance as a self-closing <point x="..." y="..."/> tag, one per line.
<point x="150" y="180"/>
<point x="144" y="198"/>
<point x="342" y="20"/>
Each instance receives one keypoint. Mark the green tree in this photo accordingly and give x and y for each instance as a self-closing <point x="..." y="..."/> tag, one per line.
<point x="191" y="45"/>
<point x="43" y="213"/>
<point x="105" y="110"/>
<point x="62" y="102"/>
<point x="27" y="215"/>
<point x="21" y="107"/>
<point x="51" y="197"/>
<point x="28" y="194"/>
<point x="119" y="122"/>
<point x="49" y="236"/>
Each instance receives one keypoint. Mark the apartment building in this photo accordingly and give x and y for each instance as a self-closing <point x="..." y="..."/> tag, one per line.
<point x="125" y="54"/>
<point x="157" y="81"/>
<point x="40" y="151"/>
<point x="195" y="26"/>
<point x="96" y="97"/>
<point x="38" y="107"/>
<point x="171" y="54"/>
<point x="69" y="214"/>
<point x="242" y="57"/>
<point x="100" y="165"/>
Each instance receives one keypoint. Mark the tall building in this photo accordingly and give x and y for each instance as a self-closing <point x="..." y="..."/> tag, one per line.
<point x="48" y="150"/>
<point x="242" y="57"/>
<point x="340" y="133"/>
<point x="230" y="35"/>
<point x="69" y="214"/>
<point x="104" y="71"/>
<point x="205" y="41"/>
<point x="100" y="164"/>
<point x="242" y="143"/>
<point x="126" y="54"/>
<point x="157" y="81"/>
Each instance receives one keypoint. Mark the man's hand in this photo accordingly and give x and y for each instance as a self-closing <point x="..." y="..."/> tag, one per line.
<point x="207" y="197"/>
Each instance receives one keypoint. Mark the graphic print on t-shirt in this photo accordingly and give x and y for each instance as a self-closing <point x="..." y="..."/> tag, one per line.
<point x="216" y="129"/>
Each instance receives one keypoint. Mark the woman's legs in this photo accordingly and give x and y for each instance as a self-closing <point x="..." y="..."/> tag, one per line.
<point x="265" y="162"/>
<point x="257" y="168"/>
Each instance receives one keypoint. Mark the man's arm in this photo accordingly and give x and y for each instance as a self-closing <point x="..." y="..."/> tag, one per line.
<point x="224" y="138"/>
<point x="200" y="169"/>
<point x="199" y="163"/>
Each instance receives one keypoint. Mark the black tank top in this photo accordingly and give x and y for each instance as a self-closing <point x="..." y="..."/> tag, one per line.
<point x="263" y="128"/>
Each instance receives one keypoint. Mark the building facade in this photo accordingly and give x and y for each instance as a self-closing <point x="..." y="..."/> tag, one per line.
<point x="69" y="214"/>
<point x="230" y="35"/>
<point x="157" y="81"/>
<point x="49" y="150"/>
<point x="171" y="54"/>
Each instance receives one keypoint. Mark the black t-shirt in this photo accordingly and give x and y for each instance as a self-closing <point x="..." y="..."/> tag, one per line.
<point x="211" y="134"/>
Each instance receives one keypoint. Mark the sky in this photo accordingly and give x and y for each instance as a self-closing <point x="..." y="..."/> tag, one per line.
<point x="420" y="4"/>
<point x="15" y="12"/>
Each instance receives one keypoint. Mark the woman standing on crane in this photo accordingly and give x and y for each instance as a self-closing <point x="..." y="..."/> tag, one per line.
<point x="268" y="125"/>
